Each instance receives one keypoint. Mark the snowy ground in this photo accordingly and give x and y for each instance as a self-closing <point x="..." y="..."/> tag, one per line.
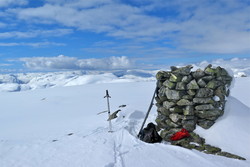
<point x="36" y="127"/>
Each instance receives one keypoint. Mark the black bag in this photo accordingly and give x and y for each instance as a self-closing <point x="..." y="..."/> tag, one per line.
<point x="149" y="134"/>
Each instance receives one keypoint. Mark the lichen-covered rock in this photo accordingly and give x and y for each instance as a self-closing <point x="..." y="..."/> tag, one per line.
<point x="204" y="107"/>
<point x="175" y="117"/>
<point x="201" y="83"/>
<point x="191" y="92"/>
<point x="189" y="125"/>
<point x="168" y="104"/>
<point x="187" y="79"/>
<point x="184" y="102"/>
<point x="229" y="155"/>
<point x="205" y="92"/>
<point x="205" y="124"/>
<point x="213" y="84"/>
<point x="188" y="110"/>
<point x="193" y="85"/>
<point x="174" y="94"/>
<point x="198" y="74"/>
<point x="197" y="139"/>
<point x="176" y="110"/>
<point x="209" y="70"/>
<point x="209" y="113"/>
<point x="162" y="75"/>
<point x="180" y="86"/>
<point x="163" y="111"/>
<point x="175" y="78"/>
<point x="211" y="149"/>
<point x="169" y="84"/>
<point x="208" y="78"/>
<point x="183" y="70"/>
<point x="204" y="100"/>
<point x="172" y="124"/>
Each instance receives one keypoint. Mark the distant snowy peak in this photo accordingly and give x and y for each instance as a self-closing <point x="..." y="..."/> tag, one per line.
<point x="31" y="81"/>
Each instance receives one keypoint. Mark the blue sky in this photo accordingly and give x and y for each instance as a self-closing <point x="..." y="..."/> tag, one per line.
<point x="120" y="34"/>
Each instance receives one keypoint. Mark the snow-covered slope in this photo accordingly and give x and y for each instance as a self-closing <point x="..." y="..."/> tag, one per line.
<point x="36" y="129"/>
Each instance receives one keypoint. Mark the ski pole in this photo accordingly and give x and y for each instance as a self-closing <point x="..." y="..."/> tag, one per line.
<point x="107" y="96"/>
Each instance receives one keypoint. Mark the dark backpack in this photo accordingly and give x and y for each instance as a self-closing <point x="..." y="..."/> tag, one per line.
<point x="149" y="134"/>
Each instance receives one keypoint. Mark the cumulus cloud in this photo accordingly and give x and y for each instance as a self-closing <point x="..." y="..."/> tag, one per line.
<point x="62" y="62"/>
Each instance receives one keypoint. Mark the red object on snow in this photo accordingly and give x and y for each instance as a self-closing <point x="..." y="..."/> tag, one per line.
<point x="180" y="135"/>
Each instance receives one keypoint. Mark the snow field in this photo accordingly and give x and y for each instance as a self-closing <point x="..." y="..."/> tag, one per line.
<point x="36" y="129"/>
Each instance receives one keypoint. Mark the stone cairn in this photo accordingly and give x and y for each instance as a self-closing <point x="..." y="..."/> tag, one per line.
<point x="186" y="98"/>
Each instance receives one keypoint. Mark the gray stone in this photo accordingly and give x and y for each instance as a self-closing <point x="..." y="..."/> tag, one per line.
<point x="188" y="110"/>
<point x="174" y="94"/>
<point x="204" y="107"/>
<point x="213" y="84"/>
<point x="183" y="70"/>
<point x="188" y="117"/>
<point x="168" y="84"/>
<point x="221" y="92"/>
<point x="191" y="92"/>
<point x="203" y="100"/>
<point x="176" y="110"/>
<point x="168" y="104"/>
<point x="204" y="92"/>
<point x="189" y="124"/>
<point x="205" y="124"/>
<point x="162" y="75"/>
<point x="201" y="83"/>
<point x="172" y="124"/>
<point x="209" y="70"/>
<point x="162" y="92"/>
<point x="175" y="78"/>
<point x="209" y="114"/>
<point x="221" y="72"/>
<point x="207" y="78"/>
<point x="163" y="111"/>
<point x="198" y="74"/>
<point x="175" y="117"/>
<point x="187" y="97"/>
<point x="192" y="85"/>
<point x="180" y="86"/>
<point x="229" y="155"/>
<point x="211" y="149"/>
<point x="160" y="120"/>
<point x="184" y="102"/>
<point x="187" y="79"/>
<point x="196" y="138"/>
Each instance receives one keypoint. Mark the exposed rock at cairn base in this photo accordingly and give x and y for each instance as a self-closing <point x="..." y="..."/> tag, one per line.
<point x="188" y="98"/>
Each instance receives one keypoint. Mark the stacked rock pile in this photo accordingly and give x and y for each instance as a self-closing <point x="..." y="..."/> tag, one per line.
<point x="188" y="98"/>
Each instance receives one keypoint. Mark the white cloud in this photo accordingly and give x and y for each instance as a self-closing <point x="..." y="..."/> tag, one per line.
<point x="34" y="44"/>
<point x="36" y="33"/>
<point x="71" y="63"/>
<point x="5" y="3"/>
<point x="203" y="26"/>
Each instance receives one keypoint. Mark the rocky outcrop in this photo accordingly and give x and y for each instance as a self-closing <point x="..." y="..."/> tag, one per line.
<point x="188" y="98"/>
